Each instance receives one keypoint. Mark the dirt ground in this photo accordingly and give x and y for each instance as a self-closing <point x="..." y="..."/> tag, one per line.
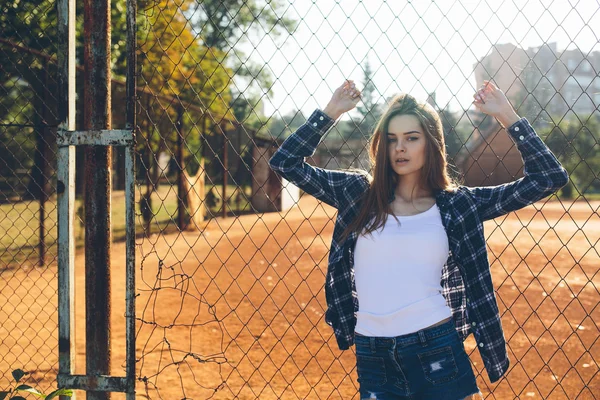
<point x="237" y="310"/>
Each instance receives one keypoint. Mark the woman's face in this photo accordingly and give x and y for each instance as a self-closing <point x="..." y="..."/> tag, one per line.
<point x="406" y="139"/>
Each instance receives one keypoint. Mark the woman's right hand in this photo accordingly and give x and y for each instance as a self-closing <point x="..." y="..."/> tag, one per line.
<point x="344" y="99"/>
<point x="490" y="100"/>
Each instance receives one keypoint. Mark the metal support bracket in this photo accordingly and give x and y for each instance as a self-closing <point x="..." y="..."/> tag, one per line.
<point x="95" y="138"/>
<point x="96" y="383"/>
<point x="66" y="141"/>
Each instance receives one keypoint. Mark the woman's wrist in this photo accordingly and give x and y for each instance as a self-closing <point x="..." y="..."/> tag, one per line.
<point x="332" y="112"/>
<point x="507" y="118"/>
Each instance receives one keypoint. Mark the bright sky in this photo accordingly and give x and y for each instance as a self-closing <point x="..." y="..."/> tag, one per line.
<point x="416" y="47"/>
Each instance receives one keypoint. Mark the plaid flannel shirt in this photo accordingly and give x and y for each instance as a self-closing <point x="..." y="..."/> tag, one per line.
<point x="466" y="280"/>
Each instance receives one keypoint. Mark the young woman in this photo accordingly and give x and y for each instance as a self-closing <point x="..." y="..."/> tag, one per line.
<point x="408" y="276"/>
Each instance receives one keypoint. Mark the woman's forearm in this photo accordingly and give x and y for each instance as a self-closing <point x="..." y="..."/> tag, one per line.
<point x="507" y="118"/>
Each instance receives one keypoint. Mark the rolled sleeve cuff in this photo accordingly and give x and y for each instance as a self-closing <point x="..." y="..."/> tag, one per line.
<point x="521" y="130"/>
<point x="320" y="122"/>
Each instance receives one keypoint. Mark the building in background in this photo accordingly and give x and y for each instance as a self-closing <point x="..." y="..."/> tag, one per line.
<point x="543" y="80"/>
<point x="545" y="86"/>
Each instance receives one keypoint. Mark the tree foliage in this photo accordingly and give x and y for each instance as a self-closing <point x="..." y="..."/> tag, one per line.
<point x="368" y="111"/>
<point x="576" y="142"/>
<point x="28" y="105"/>
<point x="192" y="78"/>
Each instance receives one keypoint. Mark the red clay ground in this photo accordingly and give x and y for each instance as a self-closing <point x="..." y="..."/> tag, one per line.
<point x="240" y="308"/>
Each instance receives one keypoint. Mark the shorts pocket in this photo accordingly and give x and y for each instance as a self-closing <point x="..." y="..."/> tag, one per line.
<point x="371" y="370"/>
<point x="439" y="365"/>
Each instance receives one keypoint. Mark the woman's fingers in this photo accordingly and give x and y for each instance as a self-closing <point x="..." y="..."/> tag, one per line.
<point x="347" y="83"/>
<point x="491" y="100"/>
<point x="346" y="96"/>
<point x="490" y="85"/>
<point x="479" y="96"/>
<point x="350" y="89"/>
<point x="354" y="94"/>
<point x="488" y="88"/>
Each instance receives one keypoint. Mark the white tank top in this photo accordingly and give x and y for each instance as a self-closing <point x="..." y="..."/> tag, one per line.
<point x="397" y="272"/>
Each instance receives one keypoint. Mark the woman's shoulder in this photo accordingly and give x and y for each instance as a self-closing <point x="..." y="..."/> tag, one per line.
<point x="454" y="194"/>
<point x="449" y="190"/>
<point x="460" y="196"/>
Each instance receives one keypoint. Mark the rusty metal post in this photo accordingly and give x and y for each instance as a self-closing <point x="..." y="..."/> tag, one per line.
<point x="225" y="171"/>
<point x="97" y="141"/>
<point x="130" y="198"/>
<point x="65" y="184"/>
<point x="97" y="195"/>
<point x="180" y="172"/>
<point x="103" y="138"/>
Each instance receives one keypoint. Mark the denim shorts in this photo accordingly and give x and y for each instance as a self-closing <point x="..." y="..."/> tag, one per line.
<point x="428" y="364"/>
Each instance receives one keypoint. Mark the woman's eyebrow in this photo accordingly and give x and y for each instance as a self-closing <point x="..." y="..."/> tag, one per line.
<point x="406" y="133"/>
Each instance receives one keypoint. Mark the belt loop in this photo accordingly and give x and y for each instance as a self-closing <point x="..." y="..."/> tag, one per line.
<point x="422" y="338"/>
<point x="373" y="344"/>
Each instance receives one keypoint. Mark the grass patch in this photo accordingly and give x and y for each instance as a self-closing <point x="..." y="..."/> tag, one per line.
<point x="19" y="222"/>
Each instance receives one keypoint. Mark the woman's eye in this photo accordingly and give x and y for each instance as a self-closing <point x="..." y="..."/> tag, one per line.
<point x="411" y="139"/>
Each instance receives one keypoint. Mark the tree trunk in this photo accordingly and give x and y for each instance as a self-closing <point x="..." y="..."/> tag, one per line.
<point x="195" y="196"/>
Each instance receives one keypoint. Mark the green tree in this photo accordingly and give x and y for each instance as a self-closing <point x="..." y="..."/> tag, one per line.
<point x="223" y="29"/>
<point x="284" y="126"/>
<point x="368" y="110"/>
<point x="17" y="144"/>
<point x="228" y="31"/>
<point x="575" y="142"/>
<point x="247" y="107"/>
<point x="28" y="85"/>
<point x="451" y="134"/>
<point x="193" y="78"/>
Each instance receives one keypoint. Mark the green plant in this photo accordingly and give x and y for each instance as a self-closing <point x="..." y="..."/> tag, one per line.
<point x="18" y="375"/>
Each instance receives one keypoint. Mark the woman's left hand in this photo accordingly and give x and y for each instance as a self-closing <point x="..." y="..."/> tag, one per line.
<point x="491" y="100"/>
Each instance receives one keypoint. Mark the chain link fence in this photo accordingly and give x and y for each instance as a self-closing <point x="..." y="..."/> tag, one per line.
<point x="28" y="234"/>
<point x="231" y="258"/>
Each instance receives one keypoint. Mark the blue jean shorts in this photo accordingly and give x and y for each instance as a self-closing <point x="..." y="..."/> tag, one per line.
<point x="428" y="364"/>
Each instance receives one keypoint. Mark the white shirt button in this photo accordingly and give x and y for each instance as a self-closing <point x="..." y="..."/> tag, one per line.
<point x="473" y="324"/>
<point x="521" y="137"/>
<point x="321" y="118"/>
<point x="516" y="129"/>
<point x="314" y="124"/>
<point x="480" y="344"/>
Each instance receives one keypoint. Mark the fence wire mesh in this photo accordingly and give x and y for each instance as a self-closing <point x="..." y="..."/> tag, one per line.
<point x="28" y="234"/>
<point x="231" y="259"/>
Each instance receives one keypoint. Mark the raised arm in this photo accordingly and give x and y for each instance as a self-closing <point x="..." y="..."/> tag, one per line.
<point x="289" y="160"/>
<point x="543" y="173"/>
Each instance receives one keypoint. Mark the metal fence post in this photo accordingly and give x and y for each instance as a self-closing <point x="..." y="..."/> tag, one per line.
<point x="130" y="197"/>
<point x="66" y="189"/>
<point x="97" y="195"/>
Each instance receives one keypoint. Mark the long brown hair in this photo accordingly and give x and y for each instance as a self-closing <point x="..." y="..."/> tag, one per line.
<point x="434" y="174"/>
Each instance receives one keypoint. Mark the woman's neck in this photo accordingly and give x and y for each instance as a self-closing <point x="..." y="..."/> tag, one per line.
<point x="407" y="193"/>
